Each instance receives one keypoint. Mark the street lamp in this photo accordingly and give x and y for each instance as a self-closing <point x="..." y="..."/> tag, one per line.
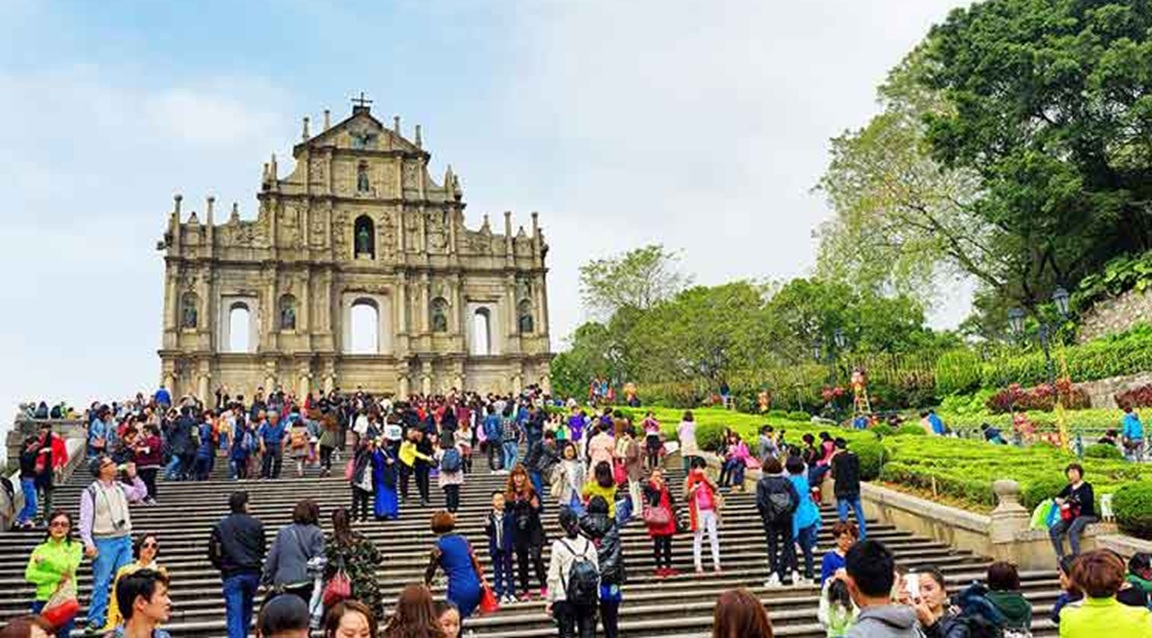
<point x="817" y="350"/>
<point x="1016" y="321"/>
<point x="841" y="340"/>
<point x="1060" y="297"/>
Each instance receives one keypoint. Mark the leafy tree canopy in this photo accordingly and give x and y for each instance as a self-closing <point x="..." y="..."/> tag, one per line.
<point x="639" y="278"/>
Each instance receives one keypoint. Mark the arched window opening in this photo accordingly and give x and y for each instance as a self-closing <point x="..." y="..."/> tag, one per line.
<point x="189" y="311"/>
<point x="439" y="314"/>
<point x="288" y="312"/>
<point x="365" y="327"/>
<point x="524" y="318"/>
<point x="481" y="333"/>
<point x="364" y="235"/>
<point x="239" y="328"/>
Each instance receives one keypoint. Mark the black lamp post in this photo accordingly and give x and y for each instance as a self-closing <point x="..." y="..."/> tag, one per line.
<point x="1016" y="316"/>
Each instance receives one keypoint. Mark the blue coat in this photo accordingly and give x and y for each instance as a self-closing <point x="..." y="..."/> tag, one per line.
<point x="807" y="513"/>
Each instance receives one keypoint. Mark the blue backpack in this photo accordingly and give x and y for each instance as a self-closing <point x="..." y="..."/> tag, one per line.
<point x="451" y="461"/>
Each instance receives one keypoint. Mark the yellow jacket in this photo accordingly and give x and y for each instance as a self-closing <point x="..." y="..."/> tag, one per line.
<point x="1105" y="617"/>
<point x="409" y="454"/>
<point x="114" y="616"/>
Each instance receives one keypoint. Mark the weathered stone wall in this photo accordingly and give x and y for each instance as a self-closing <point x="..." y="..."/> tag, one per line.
<point x="1112" y="316"/>
<point x="1102" y="391"/>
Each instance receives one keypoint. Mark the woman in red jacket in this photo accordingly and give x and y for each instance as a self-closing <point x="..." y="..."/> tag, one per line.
<point x="657" y="496"/>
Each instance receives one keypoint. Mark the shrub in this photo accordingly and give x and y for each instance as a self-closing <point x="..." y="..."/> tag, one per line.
<point x="797" y="415"/>
<point x="1139" y="397"/>
<point x="872" y="457"/>
<point x="710" y="436"/>
<point x="957" y="372"/>
<point x="777" y="414"/>
<point x="1041" y="397"/>
<point x="1103" y="451"/>
<point x="911" y="430"/>
<point x="1041" y="488"/>
<point x="882" y="430"/>
<point x="1132" y="504"/>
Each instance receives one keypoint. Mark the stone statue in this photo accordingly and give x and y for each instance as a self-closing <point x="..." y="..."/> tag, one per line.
<point x="288" y="317"/>
<point x="363" y="241"/>
<point x="362" y="179"/>
<point x="439" y="319"/>
<point x="526" y="323"/>
<point x="190" y="318"/>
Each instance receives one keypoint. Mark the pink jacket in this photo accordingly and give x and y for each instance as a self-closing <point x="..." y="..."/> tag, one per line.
<point x="739" y="452"/>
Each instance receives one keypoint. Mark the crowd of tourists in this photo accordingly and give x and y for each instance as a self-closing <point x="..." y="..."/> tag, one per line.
<point x="602" y="470"/>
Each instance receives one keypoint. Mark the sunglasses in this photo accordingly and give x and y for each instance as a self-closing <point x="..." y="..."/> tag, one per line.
<point x="64" y="524"/>
<point x="150" y="545"/>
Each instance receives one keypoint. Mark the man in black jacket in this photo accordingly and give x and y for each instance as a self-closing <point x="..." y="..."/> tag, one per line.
<point x="846" y="472"/>
<point x="237" y="550"/>
<point x="777" y="500"/>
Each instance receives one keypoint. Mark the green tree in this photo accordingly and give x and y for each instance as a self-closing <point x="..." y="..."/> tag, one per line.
<point x="639" y="278"/>
<point x="1051" y="105"/>
<point x="902" y="221"/>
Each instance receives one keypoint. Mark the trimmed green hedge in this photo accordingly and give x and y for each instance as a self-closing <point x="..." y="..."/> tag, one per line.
<point x="872" y="456"/>
<point x="910" y="430"/>
<point x="1103" y="451"/>
<point x="1132" y="505"/>
<point x="882" y="430"/>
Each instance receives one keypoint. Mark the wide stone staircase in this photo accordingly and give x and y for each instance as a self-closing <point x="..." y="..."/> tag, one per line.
<point x="676" y="607"/>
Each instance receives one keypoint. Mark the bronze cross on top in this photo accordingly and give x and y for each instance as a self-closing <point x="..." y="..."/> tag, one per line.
<point x="361" y="101"/>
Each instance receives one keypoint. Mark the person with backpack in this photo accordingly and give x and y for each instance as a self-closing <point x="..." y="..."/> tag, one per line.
<point x="451" y="476"/>
<point x="299" y="440"/>
<point x="602" y="530"/>
<point x="1004" y="594"/>
<point x="205" y="447"/>
<point x="777" y="501"/>
<point x="846" y="472"/>
<point x="573" y="580"/>
<point x="511" y="434"/>
<point x="491" y="426"/>
<point x="243" y="445"/>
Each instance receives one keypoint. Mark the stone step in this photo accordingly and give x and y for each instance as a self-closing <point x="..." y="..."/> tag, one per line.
<point x="677" y="607"/>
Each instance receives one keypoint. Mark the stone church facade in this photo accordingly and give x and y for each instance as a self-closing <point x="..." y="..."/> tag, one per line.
<point x="358" y="272"/>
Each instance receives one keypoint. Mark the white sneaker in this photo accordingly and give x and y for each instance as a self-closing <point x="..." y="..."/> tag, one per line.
<point x="796" y="580"/>
<point x="773" y="581"/>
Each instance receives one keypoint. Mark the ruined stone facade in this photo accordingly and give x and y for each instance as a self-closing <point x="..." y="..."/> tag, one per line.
<point x="357" y="233"/>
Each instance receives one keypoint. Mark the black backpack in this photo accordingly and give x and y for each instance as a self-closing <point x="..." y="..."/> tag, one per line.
<point x="779" y="506"/>
<point x="583" y="586"/>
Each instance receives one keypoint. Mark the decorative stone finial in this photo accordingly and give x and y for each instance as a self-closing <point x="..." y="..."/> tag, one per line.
<point x="177" y="198"/>
<point x="396" y="124"/>
<point x="1007" y="494"/>
<point x="327" y="119"/>
<point x="305" y="135"/>
<point x="211" y="204"/>
<point x="419" y="142"/>
<point x="235" y="212"/>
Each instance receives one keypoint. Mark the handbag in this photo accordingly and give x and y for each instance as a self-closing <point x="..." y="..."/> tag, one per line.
<point x="349" y="469"/>
<point x="338" y="588"/>
<point x="63" y="606"/>
<point x="620" y="474"/>
<point x="656" y="516"/>
<point x="488" y="601"/>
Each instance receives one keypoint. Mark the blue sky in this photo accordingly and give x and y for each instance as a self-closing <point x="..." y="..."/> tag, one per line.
<point x="699" y="125"/>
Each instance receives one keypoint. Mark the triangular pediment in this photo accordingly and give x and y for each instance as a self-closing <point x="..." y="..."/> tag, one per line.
<point x="360" y="131"/>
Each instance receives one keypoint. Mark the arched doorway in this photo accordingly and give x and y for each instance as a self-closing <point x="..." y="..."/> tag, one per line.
<point x="481" y="332"/>
<point x="239" y="328"/>
<point x="365" y="328"/>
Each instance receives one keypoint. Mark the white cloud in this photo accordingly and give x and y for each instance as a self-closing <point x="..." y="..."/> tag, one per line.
<point x="94" y="162"/>
<point x="700" y="126"/>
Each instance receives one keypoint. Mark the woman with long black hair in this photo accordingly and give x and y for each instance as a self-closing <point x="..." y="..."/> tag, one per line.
<point x="356" y="555"/>
<point x="528" y="537"/>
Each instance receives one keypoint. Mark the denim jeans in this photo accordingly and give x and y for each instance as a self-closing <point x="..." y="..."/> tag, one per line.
<point x="112" y="554"/>
<point x="28" y="487"/>
<point x="511" y="448"/>
<point x="173" y="470"/>
<point x="502" y="574"/>
<point x="537" y="483"/>
<point x="842" y="505"/>
<point x="239" y="590"/>
<point x="1072" y="530"/>
<point x="806" y="539"/>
